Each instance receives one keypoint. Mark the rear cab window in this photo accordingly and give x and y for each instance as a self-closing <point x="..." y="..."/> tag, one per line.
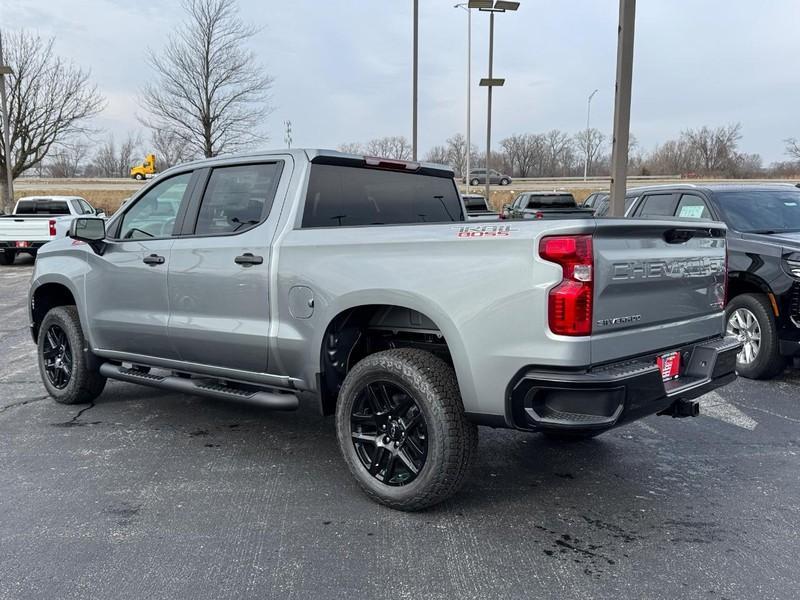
<point x="42" y="207"/>
<point x="347" y="196"/>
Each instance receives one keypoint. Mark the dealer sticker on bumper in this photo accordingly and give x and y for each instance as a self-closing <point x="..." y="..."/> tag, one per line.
<point x="669" y="365"/>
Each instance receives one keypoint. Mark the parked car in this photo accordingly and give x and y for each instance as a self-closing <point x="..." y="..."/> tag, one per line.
<point x="593" y="199"/>
<point x="341" y="279"/>
<point x="533" y="204"/>
<point x="477" y="206"/>
<point x="478" y="177"/>
<point x="763" y="222"/>
<point x="36" y="221"/>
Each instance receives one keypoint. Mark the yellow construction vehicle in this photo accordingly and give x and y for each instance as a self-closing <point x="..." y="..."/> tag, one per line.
<point x="146" y="170"/>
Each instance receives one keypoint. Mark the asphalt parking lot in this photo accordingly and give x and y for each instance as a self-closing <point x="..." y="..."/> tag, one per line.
<point x="148" y="494"/>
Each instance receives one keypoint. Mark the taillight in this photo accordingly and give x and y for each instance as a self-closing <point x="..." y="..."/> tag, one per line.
<point x="52" y="228"/>
<point x="569" y="306"/>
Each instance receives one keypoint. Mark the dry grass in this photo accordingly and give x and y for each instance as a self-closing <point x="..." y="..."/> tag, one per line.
<point x="108" y="200"/>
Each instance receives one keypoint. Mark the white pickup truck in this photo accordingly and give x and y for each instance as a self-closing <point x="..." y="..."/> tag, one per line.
<point x="37" y="220"/>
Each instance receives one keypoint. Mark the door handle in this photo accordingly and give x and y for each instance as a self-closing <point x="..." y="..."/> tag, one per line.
<point x="153" y="259"/>
<point x="247" y="259"/>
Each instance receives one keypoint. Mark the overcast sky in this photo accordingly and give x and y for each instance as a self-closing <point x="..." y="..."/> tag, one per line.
<point x="342" y="68"/>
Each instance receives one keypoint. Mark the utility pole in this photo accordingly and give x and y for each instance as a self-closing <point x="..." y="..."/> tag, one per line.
<point x="415" y="93"/>
<point x="622" y="108"/>
<point x="588" y="140"/>
<point x="6" y="70"/>
<point x="489" y="107"/>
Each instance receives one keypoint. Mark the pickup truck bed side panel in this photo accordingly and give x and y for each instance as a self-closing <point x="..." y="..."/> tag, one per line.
<point x="481" y="292"/>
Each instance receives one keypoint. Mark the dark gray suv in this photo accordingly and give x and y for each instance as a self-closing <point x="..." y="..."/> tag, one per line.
<point x="478" y="177"/>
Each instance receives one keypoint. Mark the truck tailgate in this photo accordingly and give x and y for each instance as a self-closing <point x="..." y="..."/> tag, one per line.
<point x="657" y="285"/>
<point x="13" y="229"/>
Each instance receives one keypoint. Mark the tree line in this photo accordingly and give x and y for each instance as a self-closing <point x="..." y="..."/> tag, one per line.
<point x="702" y="152"/>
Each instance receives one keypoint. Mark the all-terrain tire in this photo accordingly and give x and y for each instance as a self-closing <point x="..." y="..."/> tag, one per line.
<point x="84" y="384"/>
<point x="451" y="439"/>
<point x="768" y="362"/>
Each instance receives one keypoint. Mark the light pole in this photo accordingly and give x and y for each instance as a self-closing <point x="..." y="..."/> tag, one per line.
<point x="465" y="6"/>
<point x="6" y="70"/>
<point x="588" y="116"/>
<point x="492" y="7"/>
<point x="415" y="93"/>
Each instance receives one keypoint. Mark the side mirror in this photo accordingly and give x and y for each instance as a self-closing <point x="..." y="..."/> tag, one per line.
<point x="101" y="215"/>
<point x="91" y="230"/>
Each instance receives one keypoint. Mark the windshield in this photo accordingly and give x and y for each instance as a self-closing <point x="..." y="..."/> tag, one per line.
<point x="772" y="211"/>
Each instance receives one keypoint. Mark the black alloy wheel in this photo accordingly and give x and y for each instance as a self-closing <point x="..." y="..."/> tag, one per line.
<point x="389" y="433"/>
<point x="57" y="355"/>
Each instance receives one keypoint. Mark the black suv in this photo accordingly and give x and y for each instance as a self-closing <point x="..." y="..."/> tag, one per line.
<point x="763" y="261"/>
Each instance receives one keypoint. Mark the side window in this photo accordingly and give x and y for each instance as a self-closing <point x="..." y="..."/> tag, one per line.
<point x="87" y="208"/>
<point x="355" y="196"/>
<point x="658" y="205"/>
<point x="692" y="207"/>
<point x="153" y="215"/>
<point x="237" y="198"/>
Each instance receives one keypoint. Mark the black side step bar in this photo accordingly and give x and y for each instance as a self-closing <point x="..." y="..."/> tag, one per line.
<point x="201" y="387"/>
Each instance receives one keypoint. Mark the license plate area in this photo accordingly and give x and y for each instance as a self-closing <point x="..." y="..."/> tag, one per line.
<point x="22" y="244"/>
<point x="670" y="365"/>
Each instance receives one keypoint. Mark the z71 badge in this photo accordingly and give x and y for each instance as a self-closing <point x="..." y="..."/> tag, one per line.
<point x="485" y="231"/>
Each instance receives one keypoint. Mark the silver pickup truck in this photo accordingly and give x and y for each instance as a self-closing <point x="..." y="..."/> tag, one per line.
<point x="356" y="283"/>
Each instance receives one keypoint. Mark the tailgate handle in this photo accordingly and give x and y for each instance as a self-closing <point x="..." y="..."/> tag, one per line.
<point x="681" y="236"/>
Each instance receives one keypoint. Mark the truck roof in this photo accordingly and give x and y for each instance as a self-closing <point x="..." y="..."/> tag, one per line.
<point x="50" y="198"/>
<point x="320" y="155"/>
<point x="716" y="187"/>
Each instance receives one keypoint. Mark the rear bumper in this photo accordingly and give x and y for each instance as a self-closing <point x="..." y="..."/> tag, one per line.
<point x="608" y="396"/>
<point x="28" y="248"/>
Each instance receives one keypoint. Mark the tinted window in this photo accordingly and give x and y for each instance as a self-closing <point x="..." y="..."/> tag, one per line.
<point x="342" y="196"/>
<point x="761" y="211"/>
<point x="602" y="205"/>
<point x="153" y="215"/>
<point x="42" y="207"/>
<point x="661" y="205"/>
<point x="551" y="201"/>
<point x="237" y="198"/>
<point x="692" y="207"/>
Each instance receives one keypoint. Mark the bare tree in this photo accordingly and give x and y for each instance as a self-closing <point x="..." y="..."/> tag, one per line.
<point x="50" y="100"/>
<point x="591" y="142"/>
<point x="210" y="90"/>
<point x="793" y="147"/>
<point x="715" y="148"/>
<point x="111" y="161"/>
<point x="351" y="148"/>
<point x="457" y="154"/>
<point x="396" y="147"/>
<point x="559" y="153"/>
<point x="65" y="161"/>
<point x="438" y="155"/>
<point x="170" y="148"/>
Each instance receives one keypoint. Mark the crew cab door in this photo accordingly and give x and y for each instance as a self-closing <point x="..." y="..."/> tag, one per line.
<point x="126" y="287"/>
<point x="219" y="280"/>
